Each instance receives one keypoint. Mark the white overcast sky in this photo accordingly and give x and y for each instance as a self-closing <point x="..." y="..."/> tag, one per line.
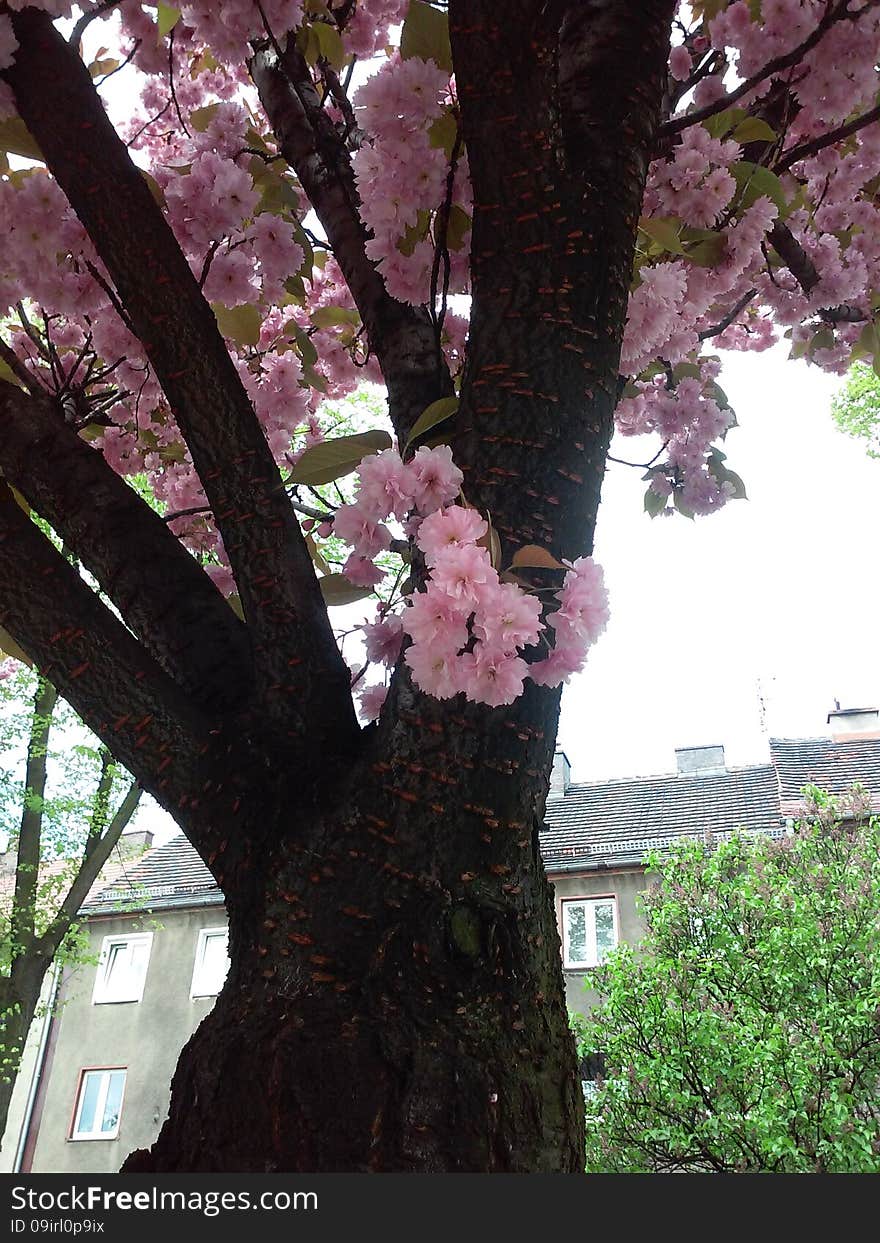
<point x="774" y="597"/>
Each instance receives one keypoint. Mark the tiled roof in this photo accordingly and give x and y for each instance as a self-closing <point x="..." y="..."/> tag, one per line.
<point x="833" y="766"/>
<point x="169" y="875"/>
<point x="595" y="824"/>
<point x="609" y="822"/>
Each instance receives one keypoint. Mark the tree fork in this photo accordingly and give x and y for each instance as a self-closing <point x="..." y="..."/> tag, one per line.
<point x="396" y="991"/>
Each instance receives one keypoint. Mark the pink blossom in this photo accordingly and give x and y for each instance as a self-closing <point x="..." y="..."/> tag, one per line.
<point x="352" y="525"/>
<point x="371" y="700"/>
<point x="453" y="527"/>
<point x="362" y="572"/>
<point x="8" y="42"/>
<point x="435" y="670"/>
<point x="491" y="676"/>
<point x="386" y="485"/>
<point x="434" y="618"/>
<point x="437" y="479"/>
<point x="507" y="617"/>
<point x="384" y="639"/>
<point x="462" y="572"/>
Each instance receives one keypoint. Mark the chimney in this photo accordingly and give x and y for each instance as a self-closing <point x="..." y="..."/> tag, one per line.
<point x="560" y="777"/>
<point x="132" y="845"/>
<point x="705" y="761"/>
<point x="850" y="723"/>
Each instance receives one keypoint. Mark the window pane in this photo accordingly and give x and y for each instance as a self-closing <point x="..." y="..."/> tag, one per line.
<point x="215" y="962"/>
<point x="604" y="912"/>
<point x="114" y="1100"/>
<point x="91" y="1086"/>
<point x="575" y="932"/>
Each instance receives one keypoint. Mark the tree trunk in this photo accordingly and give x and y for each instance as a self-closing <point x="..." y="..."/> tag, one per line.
<point x="19" y="997"/>
<point x="395" y="999"/>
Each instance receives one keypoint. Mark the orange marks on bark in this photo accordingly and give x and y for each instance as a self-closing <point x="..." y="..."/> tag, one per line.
<point x="300" y="938"/>
<point x="354" y="912"/>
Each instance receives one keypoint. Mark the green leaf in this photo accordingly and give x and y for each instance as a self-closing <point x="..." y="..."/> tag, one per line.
<point x="307" y="351"/>
<point x="443" y="131"/>
<point x="332" y="459"/>
<point x="437" y="412"/>
<point x="201" y="118"/>
<point x="680" y="505"/>
<point x="654" y="503"/>
<point x="240" y="323"/>
<point x="723" y="122"/>
<point x="318" y="560"/>
<point x="17" y="139"/>
<point x="155" y="189"/>
<point x="336" y="590"/>
<point x="664" y="231"/>
<point x="709" y="251"/>
<point x="753" y="181"/>
<point x="330" y="44"/>
<point x="532" y="557"/>
<point x="457" y="227"/>
<point x="415" y="233"/>
<point x="333" y="316"/>
<point x="105" y="64"/>
<point x="753" y="129"/>
<point x="168" y="17"/>
<point x="426" y="35"/>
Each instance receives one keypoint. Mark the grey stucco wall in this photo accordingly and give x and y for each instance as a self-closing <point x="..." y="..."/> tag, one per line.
<point x="21" y="1091"/>
<point x="624" y="886"/>
<point x="145" y="1037"/>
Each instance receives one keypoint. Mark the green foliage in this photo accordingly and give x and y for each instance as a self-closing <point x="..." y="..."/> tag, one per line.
<point x="74" y="802"/>
<point x="856" y="408"/>
<point x="742" y="1034"/>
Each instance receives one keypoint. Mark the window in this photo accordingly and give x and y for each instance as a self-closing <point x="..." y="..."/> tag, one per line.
<point x="589" y="931"/>
<point x="122" y="968"/>
<point x="212" y="962"/>
<point x="98" y="1104"/>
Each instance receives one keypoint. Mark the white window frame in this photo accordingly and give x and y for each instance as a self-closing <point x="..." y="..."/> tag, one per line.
<point x="101" y="994"/>
<point x="590" y="901"/>
<point x="196" y="988"/>
<point x="100" y="1104"/>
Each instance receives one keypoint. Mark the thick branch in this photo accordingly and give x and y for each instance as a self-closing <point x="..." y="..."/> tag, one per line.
<point x="807" y="149"/>
<point x="27" y="864"/>
<point x="804" y="271"/>
<point x="401" y="336"/>
<point x="99" y="667"/>
<point x="159" y="589"/>
<point x="779" y="63"/>
<point x="94" y="858"/>
<point x="301" y="676"/>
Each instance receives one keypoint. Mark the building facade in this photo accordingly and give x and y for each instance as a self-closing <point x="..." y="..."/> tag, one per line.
<point x="98" y="1078"/>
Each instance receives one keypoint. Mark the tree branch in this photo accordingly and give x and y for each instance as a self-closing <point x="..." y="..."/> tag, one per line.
<point x="103" y="672"/>
<point x="280" y="597"/>
<point x="832" y="13"/>
<point x="27" y="865"/>
<point x="159" y="589"/>
<point x="400" y="336"/>
<point x="804" y="271"/>
<point x="807" y="149"/>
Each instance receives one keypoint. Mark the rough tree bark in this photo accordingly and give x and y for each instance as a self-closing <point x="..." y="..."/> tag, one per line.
<point x="395" y="998"/>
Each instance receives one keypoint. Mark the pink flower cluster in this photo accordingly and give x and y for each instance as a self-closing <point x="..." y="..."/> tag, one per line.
<point x="468" y="628"/>
<point x="401" y="174"/>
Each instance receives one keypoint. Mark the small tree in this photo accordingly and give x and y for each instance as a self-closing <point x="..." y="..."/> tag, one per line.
<point x="56" y="811"/>
<point x="742" y="1034"/>
<point x="856" y="408"/>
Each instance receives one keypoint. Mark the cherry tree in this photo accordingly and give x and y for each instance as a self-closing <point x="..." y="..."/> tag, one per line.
<point x="304" y="198"/>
